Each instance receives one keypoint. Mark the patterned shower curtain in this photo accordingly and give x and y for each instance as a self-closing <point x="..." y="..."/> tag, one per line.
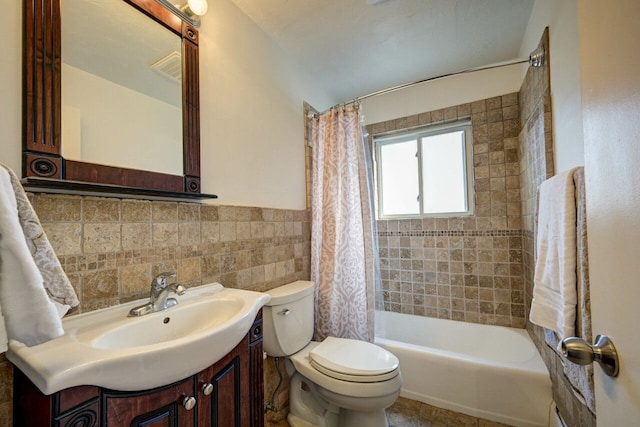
<point x="343" y="248"/>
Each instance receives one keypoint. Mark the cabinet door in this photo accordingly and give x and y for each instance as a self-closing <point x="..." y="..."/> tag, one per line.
<point x="158" y="408"/>
<point x="86" y="416"/>
<point x="223" y="391"/>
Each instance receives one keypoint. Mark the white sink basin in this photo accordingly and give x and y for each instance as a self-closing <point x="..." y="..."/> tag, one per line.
<point x="172" y="324"/>
<point x="108" y="349"/>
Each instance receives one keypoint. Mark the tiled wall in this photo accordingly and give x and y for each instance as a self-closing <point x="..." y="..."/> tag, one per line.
<point x="463" y="268"/>
<point x="111" y="249"/>
<point x="537" y="165"/>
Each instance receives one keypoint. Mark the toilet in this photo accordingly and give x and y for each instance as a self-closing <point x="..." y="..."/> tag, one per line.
<point x="337" y="382"/>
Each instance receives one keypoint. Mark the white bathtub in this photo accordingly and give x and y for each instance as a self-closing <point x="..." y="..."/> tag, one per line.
<point x="488" y="372"/>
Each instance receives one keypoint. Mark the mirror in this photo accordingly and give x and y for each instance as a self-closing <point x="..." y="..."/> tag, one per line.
<point x="118" y="64"/>
<point x="74" y="141"/>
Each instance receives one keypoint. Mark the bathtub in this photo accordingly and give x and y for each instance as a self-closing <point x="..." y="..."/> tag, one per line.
<point x="488" y="372"/>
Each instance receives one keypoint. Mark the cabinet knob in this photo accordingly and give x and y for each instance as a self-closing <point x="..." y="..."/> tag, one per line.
<point x="207" y="388"/>
<point x="189" y="402"/>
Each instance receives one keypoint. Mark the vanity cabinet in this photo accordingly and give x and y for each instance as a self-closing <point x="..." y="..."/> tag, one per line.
<point x="230" y="393"/>
<point x="164" y="406"/>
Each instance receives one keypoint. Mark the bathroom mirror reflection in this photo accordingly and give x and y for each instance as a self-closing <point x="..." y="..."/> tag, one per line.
<point x="121" y="88"/>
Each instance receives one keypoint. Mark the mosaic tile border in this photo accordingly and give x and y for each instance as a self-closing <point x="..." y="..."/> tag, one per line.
<point x="452" y="233"/>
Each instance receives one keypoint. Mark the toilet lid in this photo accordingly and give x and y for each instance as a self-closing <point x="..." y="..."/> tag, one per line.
<point x="353" y="360"/>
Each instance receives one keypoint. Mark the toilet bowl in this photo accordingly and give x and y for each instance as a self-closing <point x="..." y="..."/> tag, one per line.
<point x="337" y="382"/>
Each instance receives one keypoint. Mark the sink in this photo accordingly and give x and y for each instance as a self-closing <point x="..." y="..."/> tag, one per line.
<point x="108" y="349"/>
<point x="173" y="324"/>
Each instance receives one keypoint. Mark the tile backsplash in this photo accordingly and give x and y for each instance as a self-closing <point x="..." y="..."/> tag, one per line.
<point x="112" y="248"/>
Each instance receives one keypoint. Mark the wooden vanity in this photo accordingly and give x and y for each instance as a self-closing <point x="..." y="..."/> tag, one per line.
<point x="228" y="393"/>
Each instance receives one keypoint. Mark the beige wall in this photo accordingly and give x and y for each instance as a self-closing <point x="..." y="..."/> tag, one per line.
<point x="441" y="94"/>
<point x="11" y="85"/>
<point x="251" y="107"/>
<point x="561" y="18"/>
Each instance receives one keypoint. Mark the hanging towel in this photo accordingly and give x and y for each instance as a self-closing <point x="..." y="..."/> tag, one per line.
<point x="56" y="281"/>
<point x="554" y="284"/>
<point x="580" y="376"/>
<point x="27" y="314"/>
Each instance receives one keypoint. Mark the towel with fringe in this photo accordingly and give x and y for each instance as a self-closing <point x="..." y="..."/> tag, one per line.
<point x="580" y="377"/>
<point x="34" y="290"/>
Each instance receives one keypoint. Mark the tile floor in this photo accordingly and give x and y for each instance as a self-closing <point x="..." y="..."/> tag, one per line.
<point x="409" y="413"/>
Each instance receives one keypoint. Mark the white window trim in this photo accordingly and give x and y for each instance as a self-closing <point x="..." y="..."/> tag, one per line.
<point x="418" y="133"/>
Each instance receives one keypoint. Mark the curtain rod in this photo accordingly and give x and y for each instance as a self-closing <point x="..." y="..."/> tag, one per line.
<point x="442" y="76"/>
<point x="536" y="59"/>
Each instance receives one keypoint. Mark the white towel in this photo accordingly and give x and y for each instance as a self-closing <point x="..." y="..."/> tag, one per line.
<point x="554" y="290"/>
<point x="29" y="315"/>
<point x="56" y="281"/>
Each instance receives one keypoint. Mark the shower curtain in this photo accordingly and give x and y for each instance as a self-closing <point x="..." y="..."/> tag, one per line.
<point x="344" y="252"/>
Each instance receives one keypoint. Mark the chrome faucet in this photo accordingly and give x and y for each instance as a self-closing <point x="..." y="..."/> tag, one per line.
<point x="158" y="300"/>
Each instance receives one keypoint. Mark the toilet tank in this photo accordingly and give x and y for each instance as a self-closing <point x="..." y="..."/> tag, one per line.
<point x="288" y="318"/>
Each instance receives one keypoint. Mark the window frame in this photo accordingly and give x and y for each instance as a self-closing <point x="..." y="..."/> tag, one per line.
<point x="417" y="134"/>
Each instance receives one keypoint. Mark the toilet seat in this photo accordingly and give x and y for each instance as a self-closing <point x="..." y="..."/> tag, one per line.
<point x="302" y="364"/>
<point x="353" y="360"/>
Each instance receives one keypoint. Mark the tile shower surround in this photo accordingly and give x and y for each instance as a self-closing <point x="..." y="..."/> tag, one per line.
<point x="463" y="268"/>
<point x="111" y="248"/>
<point x="537" y="165"/>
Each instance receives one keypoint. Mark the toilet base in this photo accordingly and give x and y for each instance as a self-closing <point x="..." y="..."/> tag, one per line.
<point x="295" y="421"/>
<point x="346" y="418"/>
<point x="308" y="408"/>
<point x="376" y="418"/>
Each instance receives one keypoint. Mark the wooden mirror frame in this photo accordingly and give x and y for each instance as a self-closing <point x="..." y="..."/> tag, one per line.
<point x="43" y="165"/>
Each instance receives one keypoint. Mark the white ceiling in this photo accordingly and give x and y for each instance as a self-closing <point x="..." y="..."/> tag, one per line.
<point x="354" y="47"/>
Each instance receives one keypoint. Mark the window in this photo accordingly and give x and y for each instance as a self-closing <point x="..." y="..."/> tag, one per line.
<point x="425" y="172"/>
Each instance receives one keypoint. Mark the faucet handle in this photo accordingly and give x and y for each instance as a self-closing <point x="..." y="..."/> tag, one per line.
<point x="160" y="281"/>
<point x="179" y="289"/>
